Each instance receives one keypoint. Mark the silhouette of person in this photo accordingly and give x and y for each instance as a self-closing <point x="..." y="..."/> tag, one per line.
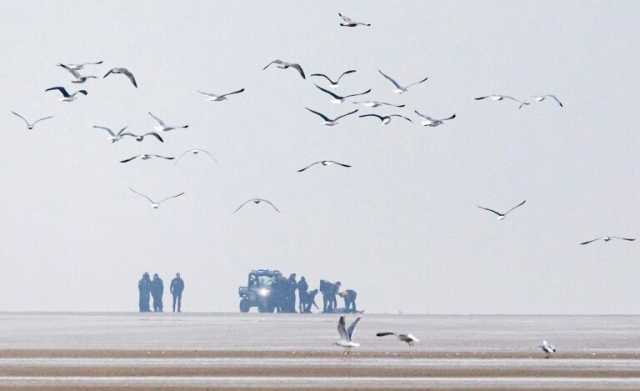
<point x="176" y="288"/>
<point x="292" y="285"/>
<point x="326" y="288"/>
<point x="334" y="291"/>
<point x="303" y="293"/>
<point x="144" y="289"/>
<point x="349" y="297"/>
<point x="157" y="289"/>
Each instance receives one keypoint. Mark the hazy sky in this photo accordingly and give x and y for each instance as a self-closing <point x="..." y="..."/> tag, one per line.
<point x="400" y="227"/>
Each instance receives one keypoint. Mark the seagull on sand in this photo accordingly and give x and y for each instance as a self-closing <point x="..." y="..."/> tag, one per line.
<point x="196" y="151"/>
<point x="155" y="204"/>
<point x="162" y="127"/>
<point x="66" y="97"/>
<point x="329" y="121"/>
<point x="409" y="339"/>
<point x="219" y="98"/>
<point x="608" y="239"/>
<point x="30" y="125"/>
<point x="399" y="88"/>
<point x="433" y="122"/>
<point x="333" y="84"/>
<point x="257" y="201"/>
<point x="79" y="78"/>
<point x="324" y="163"/>
<point x="79" y="67"/>
<point x="547" y="348"/>
<point x="502" y="216"/>
<point x="541" y="98"/>
<point x="348" y="22"/>
<point x="340" y="99"/>
<point x="146" y="156"/>
<point x="122" y="71"/>
<point x="385" y="119"/>
<point x="285" y="65"/>
<point x="346" y="334"/>
<point x="375" y="103"/>
<point x="498" y="98"/>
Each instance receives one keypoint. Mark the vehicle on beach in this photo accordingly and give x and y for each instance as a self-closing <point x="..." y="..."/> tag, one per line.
<point x="258" y="292"/>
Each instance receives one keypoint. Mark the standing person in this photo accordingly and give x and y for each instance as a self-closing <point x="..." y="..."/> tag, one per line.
<point x="349" y="297"/>
<point x="303" y="288"/>
<point x="176" y="288"/>
<point x="325" y="289"/>
<point x="291" y="292"/>
<point x="157" y="289"/>
<point x="144" y="289"/>
<point x="334" y="291"/>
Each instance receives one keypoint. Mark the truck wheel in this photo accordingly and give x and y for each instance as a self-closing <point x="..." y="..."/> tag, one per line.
<point x="244" y="305"/>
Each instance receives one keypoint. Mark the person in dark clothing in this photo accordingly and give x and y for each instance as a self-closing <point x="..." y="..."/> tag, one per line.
<point x="326" y="288"/>
<point x="281" y="294"/>
<point x="335" y="289"/>
<point x="157" y="289"/>
<point x="303" y="289"/>
<point x="292" y="285"/>
<point x="349" y="297"/>
<point x="176" y="288"/>
<point x="310" y="300"/>
<point x="144" y="289"/>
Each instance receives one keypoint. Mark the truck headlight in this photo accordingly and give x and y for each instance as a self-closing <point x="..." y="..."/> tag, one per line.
<point x="264" y="292"/>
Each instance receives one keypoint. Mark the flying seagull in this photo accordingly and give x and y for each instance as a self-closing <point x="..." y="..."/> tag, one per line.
<point x="540" y="98"/>
<point x="197" y="151"/>
<point x="502" y="216"/>
<point x="608" y="239"/>
<point x="329" y="121"/>
<point x="547" y="348"/>
<point x="30" y="125"/>
<point x="285" y="65"/>
<point x="433" y="122"/>
<point x="340" y="99"/>
<point x="324" y="163"/>
<point x="122" y="71"/>
<point x="375" y="103"/>
<point x="162" y="127"/>
<point x="155" y="204"/>
<point x="114" y="137"/>
<point x="346" y="334"/>
<point x="79" y="67"/>
<point x="409" y="339"/>
<point x="79" y="78"/>
<point x="257" y="201"/>
<point x="333" y="84"/>
<point x="348" y="22"/>
<point x="66" y="97"/>
<point x="146" y="156"/>
<point x="219" y="98"/>
<point x="401" y="89"/>
<point x="497" y="98"/>
<point x="385" y="119"/>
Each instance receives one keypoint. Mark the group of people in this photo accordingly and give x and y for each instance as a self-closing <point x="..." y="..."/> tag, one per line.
<point x="149" y="288"/>
<point x="284" y="291"/>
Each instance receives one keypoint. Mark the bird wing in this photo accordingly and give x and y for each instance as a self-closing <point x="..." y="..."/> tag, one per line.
<point x="401" y="116"/>
<point x="62" y="90"/>
<point x="490" y="210"/>
<point x="590" y="241"/>
<point x="342" y="329"/>
<point x="233" y="92"/>
<point x="129" y="159"/>
<point x="483" y="97"/>
<point x="325" y="76"/>
<point x="173" y="196"/>
<point x="358" y="94"/>
<point x="384" y="333"/>
<point x="344" y="115"/>
<point x="243" y="204"/>
<point x="352" y="328"/>
<point x="308" y="167"/>
<point x="142" y="195"/>
<point x="344" y="73"/>
<point x="21" y="117"/>
<point x="422" y="115"/>
<point x="556" y="99"/>
<point x="345" y="18"/>
<point x="515" y="207"/>
<point x="324" y="117"/>
<point x="153" y="134"/>
<point x="299" y="69"/>
<point x="623" y="238"/>
<point x="338" y="163"/>
<point x="328" y="92"/>
<point x="207" y="94"/>
<point x="108" y="73"/>
<point x="272" y="62"/>
<point x="417" y="82"/>
<point x="395" y="83"/>
<point x="158" y="120"/>
<point x="105" y="128"/>
<point x="42" y="119"/>
<point x="381" y="118"/>
<point x="270" y="203"/>
<point x="164" y="157"/>
<point x="448" y="118"/>
<point x="73" y="71"/>
<point x="130" y="76"/>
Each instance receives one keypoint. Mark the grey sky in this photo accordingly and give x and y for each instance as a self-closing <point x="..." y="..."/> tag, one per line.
<point x="400" y="227"/>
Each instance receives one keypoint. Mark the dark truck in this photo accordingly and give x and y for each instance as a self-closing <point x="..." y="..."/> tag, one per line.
<point x="258" y="292"/>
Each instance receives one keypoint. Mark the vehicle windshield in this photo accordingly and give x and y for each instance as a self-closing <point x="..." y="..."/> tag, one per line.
<point x="265" y="281"/>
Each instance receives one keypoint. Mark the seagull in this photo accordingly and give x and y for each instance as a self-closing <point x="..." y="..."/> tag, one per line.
<point x="154" y="204"/>
<point x="66" y="97"/>
<point x="502" y="216"/>
<point x="257" y="201"/>
<point x="401" y="89"/>
<point x="328" y="121"/>
<point x="219" y="98"/>
<point x="547" y="348"/>
<point x="540" y="98"/>
<point x="408" y="338"/>
<point x="375" y="103"/>
<point x="162" y="127"/>
<point x="333" y="84"/>
<point x="433" y="122"/>
<point x="324" y="163"/>
<point x="498" y="98"/>
<point x="196" y="151"/>
<point x="348" y="22"/>
<point x="340" y="99"/>
<point x="285" y="65"/>
<point x="114" y="137"/>
<point x="123" y="71"/>
<point x="140" y="137"/>
<point x="346" y="334"/>
<point x="608" y="239"/>
<point x="146" y="156"/>
<point x="30" y="125"/>
<point x="79" y="67"/>
<point x="385" y="119"/>
<point x="76" y="74"/>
